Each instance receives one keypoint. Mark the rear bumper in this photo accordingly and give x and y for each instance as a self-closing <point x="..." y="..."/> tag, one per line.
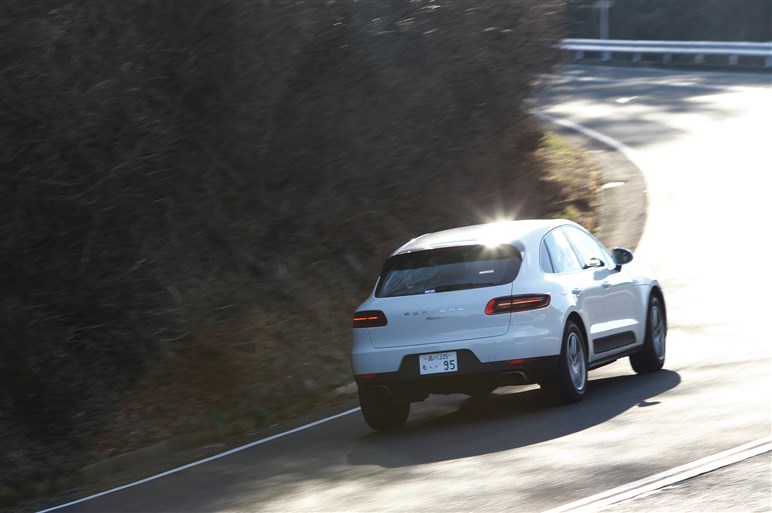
<point x="473" y="377"/>
<point x="523" y="340"/>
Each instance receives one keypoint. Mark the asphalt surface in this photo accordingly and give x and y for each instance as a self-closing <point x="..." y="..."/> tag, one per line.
<point x="702" y="140"/>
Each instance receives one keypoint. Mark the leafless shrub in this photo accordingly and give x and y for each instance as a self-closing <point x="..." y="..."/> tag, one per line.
<point x="169" y="164"/>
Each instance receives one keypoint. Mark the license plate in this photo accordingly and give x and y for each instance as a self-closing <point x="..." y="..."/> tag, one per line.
<point x="437" y="363"/>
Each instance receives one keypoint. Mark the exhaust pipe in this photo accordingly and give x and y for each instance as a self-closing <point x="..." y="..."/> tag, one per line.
<point x="381" y="391"/>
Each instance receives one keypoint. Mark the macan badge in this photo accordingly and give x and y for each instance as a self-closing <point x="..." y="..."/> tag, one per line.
<point x="432" y="312"/>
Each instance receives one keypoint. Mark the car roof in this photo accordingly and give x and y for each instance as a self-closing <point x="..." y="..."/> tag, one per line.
<point x="526" y="232"/>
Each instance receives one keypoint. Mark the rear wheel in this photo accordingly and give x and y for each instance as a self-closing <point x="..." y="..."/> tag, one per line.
<point x="651" y="357"/>
<point x="383" y="412"/>
<point x="569" y="383"/>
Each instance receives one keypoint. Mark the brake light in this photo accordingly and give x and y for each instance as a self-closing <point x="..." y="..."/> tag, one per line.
<point x="520" y="303"/>
<point x="369" y="319"/>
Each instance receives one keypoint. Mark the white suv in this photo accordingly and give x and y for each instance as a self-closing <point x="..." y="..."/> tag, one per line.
<point x="471" y="309"/>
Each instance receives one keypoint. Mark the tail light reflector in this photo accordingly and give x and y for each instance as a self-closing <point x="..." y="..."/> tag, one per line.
<point x="369" y="319"/>
<point x="519" y="303"/>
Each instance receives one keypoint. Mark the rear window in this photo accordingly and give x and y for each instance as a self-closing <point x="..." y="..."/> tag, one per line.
<point x="445" y="269"/>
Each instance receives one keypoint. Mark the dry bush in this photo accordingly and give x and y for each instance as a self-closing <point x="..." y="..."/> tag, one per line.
<point x="168" y="167"/>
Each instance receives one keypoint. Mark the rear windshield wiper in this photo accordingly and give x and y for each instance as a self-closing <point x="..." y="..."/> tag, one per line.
<point x="461" y="286"/>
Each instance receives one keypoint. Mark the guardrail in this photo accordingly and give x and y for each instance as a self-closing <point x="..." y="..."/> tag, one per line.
<point x="699" y="49"/>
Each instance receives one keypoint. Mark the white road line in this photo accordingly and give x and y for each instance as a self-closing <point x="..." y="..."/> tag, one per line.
<point x="657" y="481"/>
<point x="624" y="149"/>
<point x="205" y="460"/>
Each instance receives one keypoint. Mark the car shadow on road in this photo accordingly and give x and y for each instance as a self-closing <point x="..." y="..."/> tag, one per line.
<point x="476" y="427"/>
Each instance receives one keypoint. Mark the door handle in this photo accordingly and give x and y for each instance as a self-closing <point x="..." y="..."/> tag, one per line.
<point x="606" y="285"/>
<point x="577" y="292"/>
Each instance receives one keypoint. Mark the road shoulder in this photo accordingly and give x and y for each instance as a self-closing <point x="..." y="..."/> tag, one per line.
<point x="623" y="200"/>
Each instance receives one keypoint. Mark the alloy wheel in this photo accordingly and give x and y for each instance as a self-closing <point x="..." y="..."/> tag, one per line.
<point x="576" y="361"/>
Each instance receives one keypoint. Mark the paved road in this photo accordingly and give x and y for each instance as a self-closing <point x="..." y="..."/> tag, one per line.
<point x="703" y="142"/>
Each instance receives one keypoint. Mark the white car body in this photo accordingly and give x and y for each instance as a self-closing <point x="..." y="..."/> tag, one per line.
<point x="608" y="301"/>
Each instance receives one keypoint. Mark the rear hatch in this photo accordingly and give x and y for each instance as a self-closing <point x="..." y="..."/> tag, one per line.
<point x="439" y="295"/>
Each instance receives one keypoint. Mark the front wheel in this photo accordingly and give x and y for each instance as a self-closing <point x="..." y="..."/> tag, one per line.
<point x="383" y="413"/>
<point x="651" y="356"/>
<point x="569" y="383"/>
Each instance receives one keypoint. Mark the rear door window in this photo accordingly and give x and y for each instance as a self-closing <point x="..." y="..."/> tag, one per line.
<point x="562" y="255"/>
<point x="446" y="269"/>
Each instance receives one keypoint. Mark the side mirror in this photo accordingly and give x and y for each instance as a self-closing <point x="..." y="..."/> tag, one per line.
<point x="622" y="256"/>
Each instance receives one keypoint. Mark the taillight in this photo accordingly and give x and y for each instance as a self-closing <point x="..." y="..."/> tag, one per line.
<point x="517" y="303"/>
<point x="369" y="319"/>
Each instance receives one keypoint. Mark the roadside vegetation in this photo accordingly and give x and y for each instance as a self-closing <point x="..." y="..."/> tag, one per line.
<point x="196" y="195"/>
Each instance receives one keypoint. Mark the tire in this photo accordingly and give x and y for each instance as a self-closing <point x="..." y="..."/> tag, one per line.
<point x="569" y="383"/>
<point x="651" y="357"/>
<point x="383" y="413"/>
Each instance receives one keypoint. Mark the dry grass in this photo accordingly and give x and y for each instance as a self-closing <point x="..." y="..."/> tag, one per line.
<point x="578" y="178"/>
